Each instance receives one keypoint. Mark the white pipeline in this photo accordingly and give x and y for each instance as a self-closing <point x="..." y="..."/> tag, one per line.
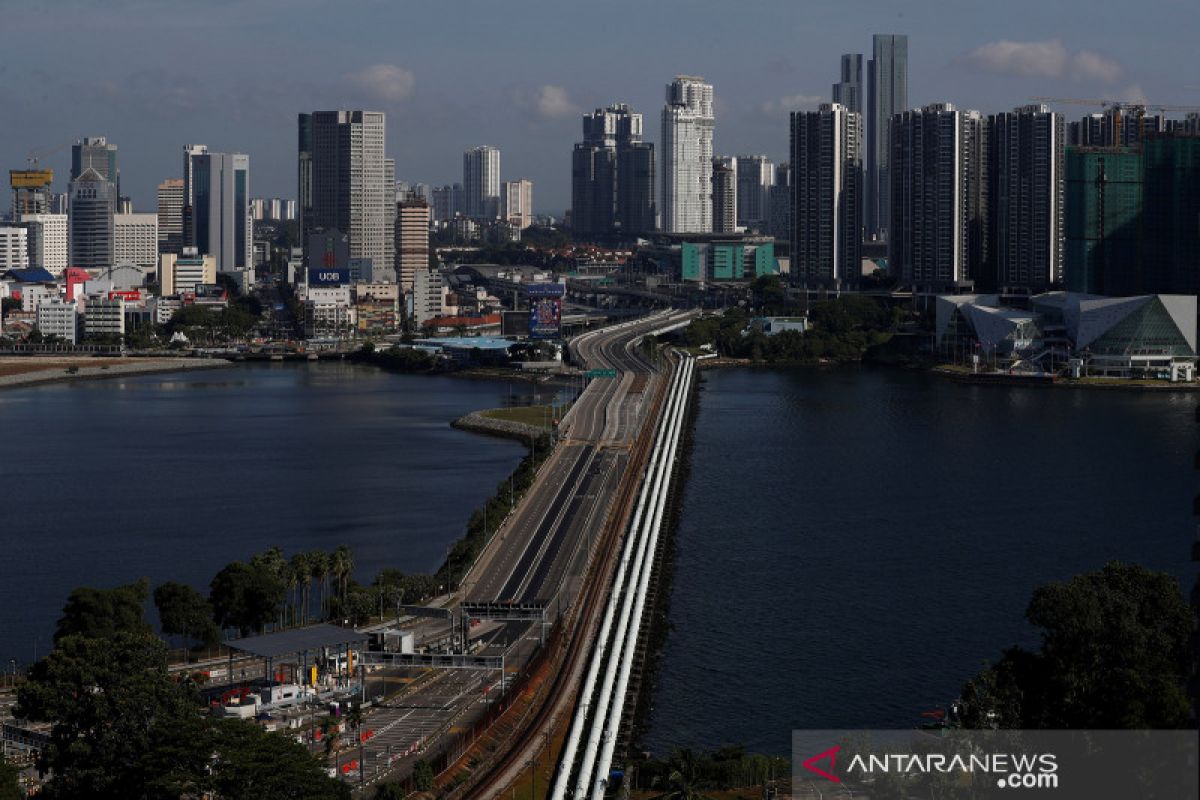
<point x="652" y="482"/>
<point x="571" y="746"/>
<point x="629" y="647"/>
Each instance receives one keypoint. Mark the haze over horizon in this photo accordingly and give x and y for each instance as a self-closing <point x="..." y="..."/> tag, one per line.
<point x="152" y="76"/>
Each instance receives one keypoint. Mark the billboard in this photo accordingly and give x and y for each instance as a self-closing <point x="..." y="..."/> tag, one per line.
<point x="514" y="323"/>
<point x="328" y="276"/>
<point x="545" y="317"/>
<point x="545" y="310"/>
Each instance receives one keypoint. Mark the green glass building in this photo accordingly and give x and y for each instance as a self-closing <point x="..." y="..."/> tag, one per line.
<point x="1171" y="214"/>
<point x="1102" y="225"/>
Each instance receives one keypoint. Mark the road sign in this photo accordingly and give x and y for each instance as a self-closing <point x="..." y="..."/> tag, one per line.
<point x="600" y="373"/>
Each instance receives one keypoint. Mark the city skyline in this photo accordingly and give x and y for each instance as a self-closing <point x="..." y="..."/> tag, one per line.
<point x="533" y="107"/>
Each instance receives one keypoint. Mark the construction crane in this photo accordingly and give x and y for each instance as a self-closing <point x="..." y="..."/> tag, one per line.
<point x="34" y="156"/>
<point x="1120" y="109"/>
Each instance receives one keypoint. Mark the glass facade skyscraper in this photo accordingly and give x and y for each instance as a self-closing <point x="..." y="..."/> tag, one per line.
<point x="887" y="95"/>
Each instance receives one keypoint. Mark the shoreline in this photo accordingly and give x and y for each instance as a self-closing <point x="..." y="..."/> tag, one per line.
<point x="479" y="422"/>
<point x="123" y="368"/>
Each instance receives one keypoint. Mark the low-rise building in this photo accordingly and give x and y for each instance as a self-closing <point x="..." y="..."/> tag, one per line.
<point x="181" y="273"/>
<point x="103" y="316"/>
<point x="56" y="318"/>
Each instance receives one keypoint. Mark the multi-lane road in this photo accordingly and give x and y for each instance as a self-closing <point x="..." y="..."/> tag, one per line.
<point x="547" y="539"/>
<point x="529" y="557"/>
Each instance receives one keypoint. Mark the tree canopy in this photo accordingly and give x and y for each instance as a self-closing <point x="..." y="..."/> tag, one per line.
<point x="1114" y="654"/>
<point x="101" y="613"/>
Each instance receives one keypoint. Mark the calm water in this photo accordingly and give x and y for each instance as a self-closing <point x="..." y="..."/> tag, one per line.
<point x="855" y="543"/>
<point x="173" y="476"/>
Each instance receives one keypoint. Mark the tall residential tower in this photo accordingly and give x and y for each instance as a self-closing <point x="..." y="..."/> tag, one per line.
<point x="887" y="95"/>
<point x="687" y="131"/>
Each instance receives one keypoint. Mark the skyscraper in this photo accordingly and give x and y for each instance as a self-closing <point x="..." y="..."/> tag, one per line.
<point x="849" y="90"/>
<point x="30" y="191"/>
<point x="481" y="182"/>
<point x="826" y="157"/>
<point x="612" y="174"/>
<point x="938" y="202"/>
<point x="724" y="195"/>
<point x="1171" y="214"/>
<point x="887" y="94"/>
<point x="687" y="131"/>
<point x="755" y="177"/>
<point x="217" y="192"/>
<point x="345" y="183"/>
<point x="412" y="240"/>
<point x="170" y="216"/>
<point x="779" y="221"/>
<point x="97" y="153"/>
<point x="516" y="203"/>
<point x="1025" y="198"/>
<point x="93" y="203"/>
<point x="1102" y="202"/>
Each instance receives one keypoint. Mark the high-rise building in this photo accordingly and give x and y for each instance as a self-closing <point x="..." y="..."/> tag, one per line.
<point x="90" y="221"/>
<point x="1171" y="214"/>
<point x="446" y="202"/>
<point x="939" y="198"/>
<point x="1025" y="199"/>
<point x="95" y="152"/>
<point x="887" y="95"/>
<point x="412" y="240"/>
<point x="170" y="215"/>
<point x="826" y="157"/>
<point x="30" y="191"/>
<point x="779" y="216"/>
<point x="687" y="131"/>
<point x="481" y="182"/>
<point x="135" y="240"/>
<point x="1102" y="220"/>
<point x="516" y="206"/>
<point x="217" y="192"/>
<point x="724" y="195"/>
<point x="755" y="177"/>
<point x="345" y="183"/>
<point x="612" y="174"/>
<point x="14" y="247"/>
<point x="190" y="152"/>
<point x="849" y="89"/>
<point x="47" y="241"/>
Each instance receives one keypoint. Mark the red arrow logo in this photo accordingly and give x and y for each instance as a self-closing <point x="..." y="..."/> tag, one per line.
<point x="831" y="754"/>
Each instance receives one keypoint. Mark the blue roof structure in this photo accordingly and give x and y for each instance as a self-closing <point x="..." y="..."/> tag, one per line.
<point x="32" y="275"/>
<point x="467" y="342"/>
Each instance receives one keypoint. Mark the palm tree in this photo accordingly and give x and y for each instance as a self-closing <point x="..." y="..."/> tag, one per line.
<point x="318" y="569"/>
<point x="300" y="578"/>
<point x="343" y="565"/>
<point x="683" y="780"/>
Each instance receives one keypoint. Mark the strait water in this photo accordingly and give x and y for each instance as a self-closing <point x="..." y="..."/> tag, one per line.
<point x="173" y="476"/>
<point x="854" y="543"/>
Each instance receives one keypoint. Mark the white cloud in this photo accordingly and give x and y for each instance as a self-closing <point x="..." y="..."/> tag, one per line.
<point x="386" y="82"/>
<point x="792" y="102"/>
<point x="1048" y="59"/>
<point x="1086" y="64"/>
<point x="552" y="103"/>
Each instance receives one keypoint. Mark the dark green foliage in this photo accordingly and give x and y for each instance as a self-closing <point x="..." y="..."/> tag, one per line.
<point x="398" y="359"/>
<point x="252" y="764"/>
<point x="390" y="791"/>
<point x="116" y="717"/>
<point x="104" y="612"/>
<point x="10" y="788"/>
<point x="184" y="612"/>
<point x="842" y="330"/>
<point x="234" y="321"/>
<point x="423" y="776"/>
<point x="687" y="775"/>
<point x="122" y="727"/>
<point x="1115" y="654"/>
<point x="247" y="596"/>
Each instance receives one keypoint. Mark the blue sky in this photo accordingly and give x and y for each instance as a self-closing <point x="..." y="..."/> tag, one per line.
<point x="152" y="75"/>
